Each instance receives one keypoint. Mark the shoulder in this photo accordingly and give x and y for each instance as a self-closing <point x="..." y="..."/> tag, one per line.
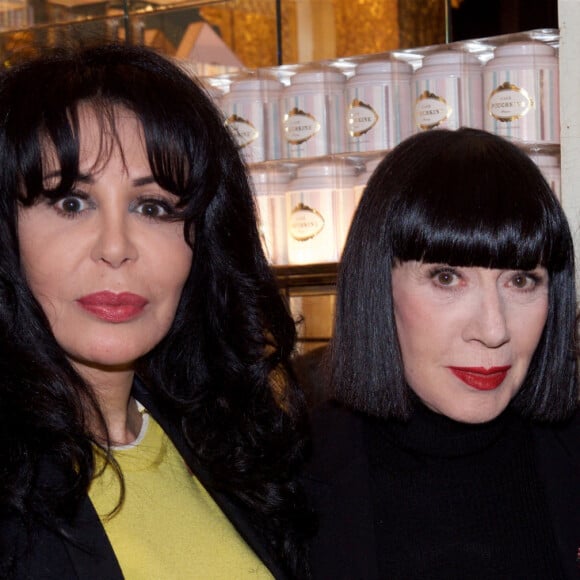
<point x="559" y="441"/>
<point x="337" y="441"/>
<point x="43" y="544"/>
<point x="31" y="551"/>
<point x="557" y="450"/>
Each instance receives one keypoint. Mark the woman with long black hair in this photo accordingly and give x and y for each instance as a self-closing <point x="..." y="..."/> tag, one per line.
<point x="149" y="421"/>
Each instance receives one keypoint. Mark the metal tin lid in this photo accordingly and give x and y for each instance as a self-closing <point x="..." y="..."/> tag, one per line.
<point x="449" y="62"/>
<point x="256" y="85"/>
<point x="383" y="67"/>
<point x="321" y="76"/>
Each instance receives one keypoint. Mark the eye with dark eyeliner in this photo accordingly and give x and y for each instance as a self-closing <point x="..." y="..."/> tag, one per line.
<point x="71" y="205"/>
<point x="155" y="208"/>
<point x="526" y="281"/>
<point x="444" y="276"/>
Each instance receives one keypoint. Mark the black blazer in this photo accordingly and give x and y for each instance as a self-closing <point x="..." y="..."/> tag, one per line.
<point x="89" y="555"/>
<point x="337" y="481"/>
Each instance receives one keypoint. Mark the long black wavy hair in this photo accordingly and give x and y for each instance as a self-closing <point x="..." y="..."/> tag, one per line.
<point x="222" y="370"/>
<point x="464" y="198"/>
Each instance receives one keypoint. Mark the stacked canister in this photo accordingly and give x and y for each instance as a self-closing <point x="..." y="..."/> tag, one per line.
<point x="312" y="135"/>
<point x="521" y="92"/>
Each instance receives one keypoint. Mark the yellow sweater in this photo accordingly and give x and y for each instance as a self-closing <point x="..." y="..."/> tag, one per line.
<point x="168" y="526"/>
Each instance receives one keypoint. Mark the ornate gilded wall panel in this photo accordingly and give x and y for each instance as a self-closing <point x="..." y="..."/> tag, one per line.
<point x="421" y="23"/>
<point x="248" y="27"/>
<point x="330" y="28"/>
<point x="366" y="26"/>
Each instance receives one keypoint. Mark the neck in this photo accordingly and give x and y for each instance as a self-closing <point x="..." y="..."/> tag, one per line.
<point x="436" y="435"/>
<point x="112" y="390"/>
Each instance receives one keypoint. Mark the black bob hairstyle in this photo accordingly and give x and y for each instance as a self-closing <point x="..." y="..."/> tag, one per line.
<point x="223" y="369"/>
<point x="464" y="198"/>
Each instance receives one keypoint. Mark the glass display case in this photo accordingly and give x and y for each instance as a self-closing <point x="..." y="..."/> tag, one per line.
<point x="310" y="291"/>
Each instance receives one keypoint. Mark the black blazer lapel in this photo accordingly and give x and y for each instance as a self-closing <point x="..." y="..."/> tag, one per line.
<point x="80" y="549"/>
<point x="89" y="549"/>
<point x="237" y="514"/>
<point x="558" y="461"/>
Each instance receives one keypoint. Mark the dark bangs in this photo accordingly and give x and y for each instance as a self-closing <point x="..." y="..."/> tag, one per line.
<point x="167" y="104"/>
<point x="472" y="202"/>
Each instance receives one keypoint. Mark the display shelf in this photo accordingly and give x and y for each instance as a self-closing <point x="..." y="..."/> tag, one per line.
<point x="310" y="291"/>
<point x="292" y="278"/>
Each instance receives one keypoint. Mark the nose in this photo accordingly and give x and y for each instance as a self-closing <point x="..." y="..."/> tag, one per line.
<point x="487" y="322"/>
<point x="113" y="244"/>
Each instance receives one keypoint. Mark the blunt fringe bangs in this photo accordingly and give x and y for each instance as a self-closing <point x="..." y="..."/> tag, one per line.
<point x="471" y="200"/>
<point x="463" y="198"/>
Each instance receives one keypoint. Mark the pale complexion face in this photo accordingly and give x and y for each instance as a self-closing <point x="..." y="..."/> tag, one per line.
<point x="105" y="263"/>
<point x="468" y="334"/>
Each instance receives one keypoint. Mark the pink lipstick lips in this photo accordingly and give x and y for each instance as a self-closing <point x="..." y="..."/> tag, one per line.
<point x="481" y="378"/>
<point x="113" y="307"/>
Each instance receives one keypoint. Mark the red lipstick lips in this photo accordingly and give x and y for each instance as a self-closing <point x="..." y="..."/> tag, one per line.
<point x="481" y="378"/>
<point x="113" y="307"/>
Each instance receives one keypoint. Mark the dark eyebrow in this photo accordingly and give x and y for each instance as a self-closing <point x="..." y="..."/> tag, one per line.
<point x="83" y="178"/>
<point x="144" y="180"/>
<point x="58" y="174"/>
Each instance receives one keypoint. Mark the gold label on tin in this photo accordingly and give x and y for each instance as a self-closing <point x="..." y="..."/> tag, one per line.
<point x="299" y="126"/>
<point x="243" y="131"/>
<point x="305" y="223"/>
<point x="431" y="110"/>
<point x="361" y="118"/>
<point x="508" y="102"/>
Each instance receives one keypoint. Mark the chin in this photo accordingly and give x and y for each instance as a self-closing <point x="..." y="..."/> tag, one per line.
<point x="107" y="361"/>
<point x="476" y="415"/>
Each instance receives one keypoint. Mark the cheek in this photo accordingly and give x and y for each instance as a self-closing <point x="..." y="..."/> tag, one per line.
<point x="174" y="265"/>
<point x="530" y="325"/>
<point x="40" y="270"/>
<point x="42" y="251"/>
<point x="418" y="328"/>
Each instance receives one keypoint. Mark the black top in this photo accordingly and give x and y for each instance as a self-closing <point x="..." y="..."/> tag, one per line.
<point x="439" y="499"/>
<point x="455" y="501"/>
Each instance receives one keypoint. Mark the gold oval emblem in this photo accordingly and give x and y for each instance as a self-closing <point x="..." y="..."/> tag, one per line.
<point x="305" y="223"/>
<point x="300" y="126"/>
<point x="508" y="102"/>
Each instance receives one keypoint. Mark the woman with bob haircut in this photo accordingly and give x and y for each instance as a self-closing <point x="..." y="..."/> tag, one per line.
<point x="150" y="424"/>
<point x="452" y="449"/>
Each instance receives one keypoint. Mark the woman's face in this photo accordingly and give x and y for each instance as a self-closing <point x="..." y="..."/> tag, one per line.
<point x="104" y="261"/>
<point x="468" y="334"/>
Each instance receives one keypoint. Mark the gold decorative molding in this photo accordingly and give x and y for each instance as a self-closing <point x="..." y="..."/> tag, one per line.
<point x="421" y="23"/>
<point x="319" y="29"/>
<point x="248" y="27"/>
<point x="366" y="26"/>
